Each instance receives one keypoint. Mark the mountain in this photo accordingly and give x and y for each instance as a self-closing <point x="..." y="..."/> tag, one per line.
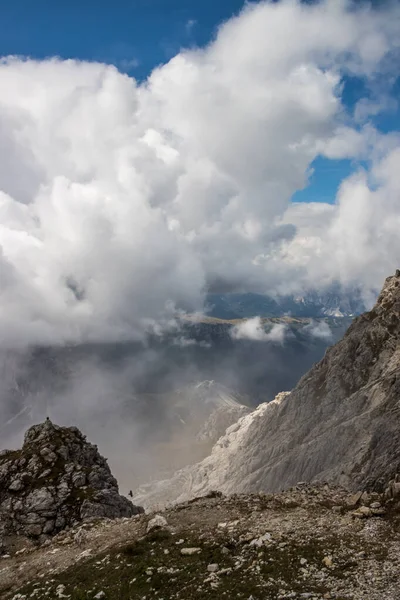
<point x="56" y="480"/>
<point x="341" y="422"/>
<point x="332" y="302"/>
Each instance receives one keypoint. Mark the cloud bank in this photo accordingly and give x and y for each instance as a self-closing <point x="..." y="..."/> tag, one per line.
<point x="319" y="329"/>
<point x="253" y="329"/>
<point x="123" y="202"/>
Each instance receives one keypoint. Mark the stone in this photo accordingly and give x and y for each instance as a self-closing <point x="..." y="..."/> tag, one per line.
<point x="156" y="522"/>
<point x="378" y="512"/>
<point x="78" y="479"/>
<point x="33" y="530"/>
<point x="40" y="499"/>
<point x="328" y="562"/>
<point x="48" y="527"/>
<point x="363" y="511"/>
<point x="190" y="551"/>
<point x="60" y="522"/>
<point x="16" y="485"/>
<point x="60" y="591"/>
<point x="213" y="568"/>
<point x="261" y="540"/>
<point x="354" y="499"/>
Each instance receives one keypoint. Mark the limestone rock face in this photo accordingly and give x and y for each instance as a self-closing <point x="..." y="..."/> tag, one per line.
<point x="57" y="479"/>
<point x="341" y="423"/>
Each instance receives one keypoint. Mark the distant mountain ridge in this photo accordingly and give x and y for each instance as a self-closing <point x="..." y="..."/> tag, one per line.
<point x="333" y="302"/>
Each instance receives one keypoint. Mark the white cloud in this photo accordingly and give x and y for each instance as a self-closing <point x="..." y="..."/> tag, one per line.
<point x="190" y="23"/>
<point x="121" y="201"/>
<point x="355" y="240"/>
<point x="127" y="64"/>
<point x="319" y="329"/>
<point x="253" y="329"/>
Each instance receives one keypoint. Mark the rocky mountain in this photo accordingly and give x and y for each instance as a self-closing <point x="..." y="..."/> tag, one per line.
<point x="56" y="480"/>
<point x="341" y="422"/>
<point x="331" y="302"/>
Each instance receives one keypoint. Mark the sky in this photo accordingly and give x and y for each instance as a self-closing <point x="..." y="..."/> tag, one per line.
<point x="138" y="35"/>
<point x="152" y="151"/>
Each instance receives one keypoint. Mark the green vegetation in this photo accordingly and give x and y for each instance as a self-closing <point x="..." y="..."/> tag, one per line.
<point x="154" y="568"/>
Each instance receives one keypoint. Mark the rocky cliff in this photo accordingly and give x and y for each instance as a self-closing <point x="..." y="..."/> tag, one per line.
<point x="341" y="423"/>
<point x="56" y="480"/>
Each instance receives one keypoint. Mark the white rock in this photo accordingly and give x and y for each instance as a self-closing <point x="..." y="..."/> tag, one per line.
<point x="328" y="562"/>
<point x="258" y="542"/>
<point x="190" y="551"/>
<point x="155" y="522"/>
<point x="212" y="568"/>
<point x="60" y="591"/>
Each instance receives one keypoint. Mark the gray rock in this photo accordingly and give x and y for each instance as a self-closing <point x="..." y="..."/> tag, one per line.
<point x="40" y="499"/>
<point x="33" y="530"/>
<point x="158" y="521"/>
<point x="190" y="551"/>
<point x="78" y="479"/>
<point x="16" y="485"/>
<point x="56" y="480"/>
<point x="60" y="522"/>
<point x="48" y="527"/>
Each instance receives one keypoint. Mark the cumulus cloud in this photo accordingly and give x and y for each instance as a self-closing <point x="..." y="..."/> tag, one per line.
<point x="121" y="203"/>
<point x="356" y="239"/>
<point x="253" y="329"/>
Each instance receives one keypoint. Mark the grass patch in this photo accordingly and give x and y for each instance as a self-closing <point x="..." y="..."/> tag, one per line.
<point x="153" y="567"/>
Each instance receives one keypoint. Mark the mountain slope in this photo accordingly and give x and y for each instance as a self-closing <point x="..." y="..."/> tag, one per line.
<point x="340" y="423"/>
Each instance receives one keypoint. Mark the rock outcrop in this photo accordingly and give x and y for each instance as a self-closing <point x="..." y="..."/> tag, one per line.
<point x="341" y="423"/>
<point x="56" y="480"/>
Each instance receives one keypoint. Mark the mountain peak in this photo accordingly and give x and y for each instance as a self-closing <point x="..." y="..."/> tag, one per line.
<point x="389" y="298"/>
<point x="56" y="480"/>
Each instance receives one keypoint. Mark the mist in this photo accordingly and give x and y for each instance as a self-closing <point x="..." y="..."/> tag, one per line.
<point x="142" y="403"/>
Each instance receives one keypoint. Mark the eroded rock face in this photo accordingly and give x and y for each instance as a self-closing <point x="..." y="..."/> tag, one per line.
<point x="57" y="479"/>
<point x="341" y="423"/>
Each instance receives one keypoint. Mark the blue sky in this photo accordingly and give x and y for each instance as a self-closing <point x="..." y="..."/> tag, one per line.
<point x="136" y="36"/>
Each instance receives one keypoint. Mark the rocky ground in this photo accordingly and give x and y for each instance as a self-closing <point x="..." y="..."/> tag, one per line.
<point x="308" y="542"/>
